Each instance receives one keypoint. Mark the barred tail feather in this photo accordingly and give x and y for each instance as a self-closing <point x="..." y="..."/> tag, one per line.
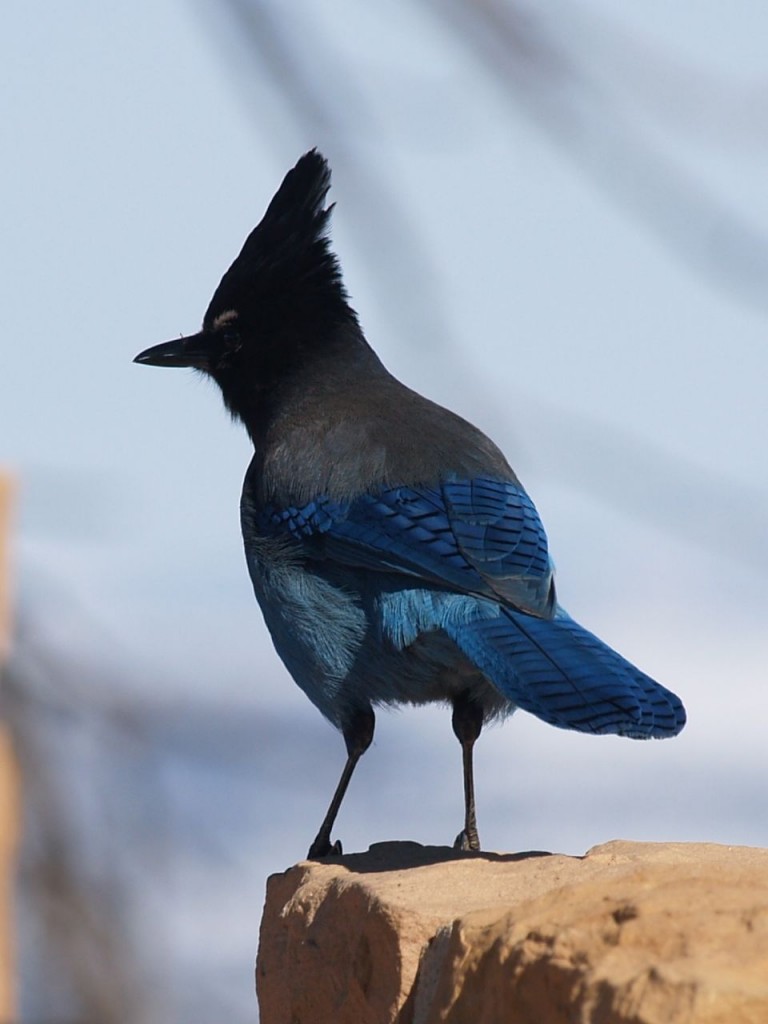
<point x="558" y="671"/>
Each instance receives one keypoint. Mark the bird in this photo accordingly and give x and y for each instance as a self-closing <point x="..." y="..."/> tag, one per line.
<point x="395" y="554"/>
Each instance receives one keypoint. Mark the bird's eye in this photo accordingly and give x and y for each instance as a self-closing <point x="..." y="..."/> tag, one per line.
<point x="230" y="338"/>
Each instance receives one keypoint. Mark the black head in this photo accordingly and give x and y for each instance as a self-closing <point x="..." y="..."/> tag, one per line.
<point x="281" y="299"/>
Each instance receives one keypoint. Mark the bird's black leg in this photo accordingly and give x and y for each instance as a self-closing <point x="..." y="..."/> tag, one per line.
<point x="467" y="724"/>
<point x="358" y="734"/>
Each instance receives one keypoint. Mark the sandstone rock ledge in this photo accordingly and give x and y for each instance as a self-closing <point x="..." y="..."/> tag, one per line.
<point x="632" y="932"/>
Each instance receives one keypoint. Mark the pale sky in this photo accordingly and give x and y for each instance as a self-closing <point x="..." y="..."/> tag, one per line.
<point x="508" y="257"/>
<point x="626" y="387"/>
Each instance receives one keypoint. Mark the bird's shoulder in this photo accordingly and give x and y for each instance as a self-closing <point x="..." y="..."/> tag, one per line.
<point x="345" y="438"/>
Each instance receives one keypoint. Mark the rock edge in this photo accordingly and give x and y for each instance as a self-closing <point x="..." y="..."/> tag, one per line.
<point x="647" y="933"/>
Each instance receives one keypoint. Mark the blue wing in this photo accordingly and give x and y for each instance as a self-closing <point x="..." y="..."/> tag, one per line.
<point x="483" y="538"/>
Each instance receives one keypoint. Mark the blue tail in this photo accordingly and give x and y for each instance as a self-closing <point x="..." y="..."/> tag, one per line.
<point x="566" y="676"/>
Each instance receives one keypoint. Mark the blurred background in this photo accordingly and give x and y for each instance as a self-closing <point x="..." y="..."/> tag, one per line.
<point x="552" y="218"/>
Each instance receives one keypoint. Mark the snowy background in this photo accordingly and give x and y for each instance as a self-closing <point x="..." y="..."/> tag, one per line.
<point x="553" y="219"/>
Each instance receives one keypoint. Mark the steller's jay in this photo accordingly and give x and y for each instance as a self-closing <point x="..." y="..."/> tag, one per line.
<point x="394" y="553"/>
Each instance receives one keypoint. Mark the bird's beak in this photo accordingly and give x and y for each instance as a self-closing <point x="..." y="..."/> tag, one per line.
<point x="191" y="351"/>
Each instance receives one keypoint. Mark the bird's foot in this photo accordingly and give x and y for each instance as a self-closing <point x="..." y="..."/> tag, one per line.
<point x="323" y="847"/>
<point x="467" y="840"/>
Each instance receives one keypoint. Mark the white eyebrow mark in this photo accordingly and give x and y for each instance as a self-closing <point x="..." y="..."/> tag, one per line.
<point x="224" y="318"/>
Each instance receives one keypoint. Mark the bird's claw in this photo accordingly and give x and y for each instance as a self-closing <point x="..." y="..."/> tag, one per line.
<point x="466" y="841"/>
<point x="324" y="848"/>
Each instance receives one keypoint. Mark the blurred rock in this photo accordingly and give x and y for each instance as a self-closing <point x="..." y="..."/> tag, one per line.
<point x="632" y="932"/>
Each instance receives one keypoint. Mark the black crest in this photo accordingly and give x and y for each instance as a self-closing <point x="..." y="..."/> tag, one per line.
<point x="286" y="261"/>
